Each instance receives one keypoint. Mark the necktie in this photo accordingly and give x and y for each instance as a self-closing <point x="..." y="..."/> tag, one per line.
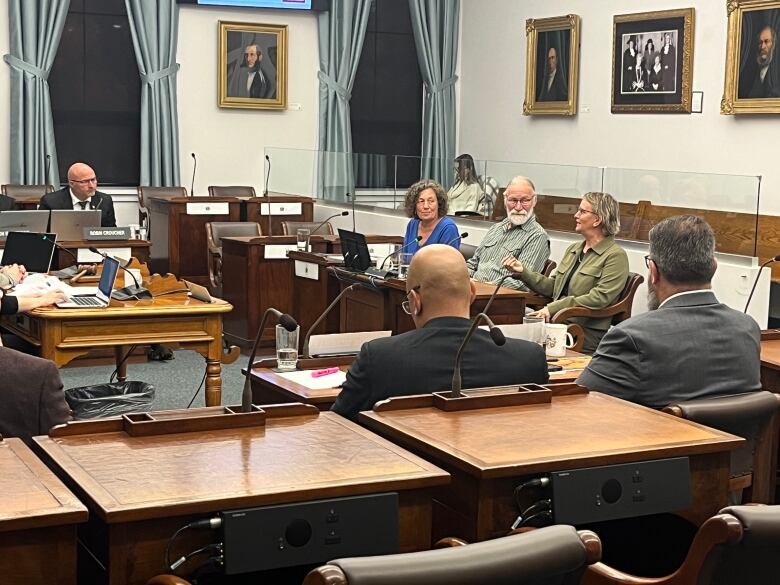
<point x="83" y="204"/>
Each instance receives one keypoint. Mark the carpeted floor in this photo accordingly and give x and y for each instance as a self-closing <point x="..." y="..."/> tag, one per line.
<point x="175" y="381"/>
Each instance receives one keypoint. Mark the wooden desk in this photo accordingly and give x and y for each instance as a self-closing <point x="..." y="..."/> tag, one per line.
<point x="178" y="233"/>
<point x="377" y="306"/>
<point x="138" y="249"/>
<point x="282" y="208"/>
<point x="65" y="334"/>
<point x="491" y="451"/>
<point x="38" y="520"/>
<point x="141" y="489"/>
<point x="268" y="387"/>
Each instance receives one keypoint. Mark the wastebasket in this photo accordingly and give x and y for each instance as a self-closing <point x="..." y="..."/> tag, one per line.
<point x="114" y="399"/>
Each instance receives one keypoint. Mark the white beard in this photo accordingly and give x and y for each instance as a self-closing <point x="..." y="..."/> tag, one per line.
<point x="519" y="217"/>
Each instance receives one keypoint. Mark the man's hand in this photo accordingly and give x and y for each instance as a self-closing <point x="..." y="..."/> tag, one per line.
<point x="544" y="313"/>
<point x="512" y="264"/>
<point x="17" y="272"/>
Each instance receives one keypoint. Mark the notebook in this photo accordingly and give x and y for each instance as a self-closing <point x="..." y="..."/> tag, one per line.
<point x="102" y="297"/>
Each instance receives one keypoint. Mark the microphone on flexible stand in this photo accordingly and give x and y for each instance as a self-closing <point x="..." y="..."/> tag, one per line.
<point x="462" y="236"/>
<point x="285" y="321"/>
<point x="322" y="316"/>
<point x="323" y="222"/>
<point x="495" y="334"/>
<point x="63" y="248"/>
<point x="126" y="293"/>
<point x="755" y="282"/>
<point x="498" y="287"/>
<point x="380" y="272"/>
<point x="352" y="199"/>
<point x="267" y="176"/>
<point x="194" y="167"/>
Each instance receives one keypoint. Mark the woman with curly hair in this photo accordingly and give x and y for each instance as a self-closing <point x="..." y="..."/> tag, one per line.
<point x="426" y="204"/>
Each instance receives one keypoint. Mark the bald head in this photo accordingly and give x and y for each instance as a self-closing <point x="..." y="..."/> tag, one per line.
<point x="82" y="180"/>
<point x="441" y="282"/>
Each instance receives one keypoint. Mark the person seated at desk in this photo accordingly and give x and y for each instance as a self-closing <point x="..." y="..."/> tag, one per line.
<point x="81" y="193"/>
<point x="12" y="304"/>
<point x="688" y="345"/>
<point x="32" y="395"/>
<point x="519" y="235"/>
<point x="426" y="204"/>
<point x="591" y="274"/>
<point x="466" y="193"/>
<point x="439" y="294"/>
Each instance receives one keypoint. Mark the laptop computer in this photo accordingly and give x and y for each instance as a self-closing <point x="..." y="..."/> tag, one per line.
<point x="33" y="250"/>
<point x="199" y="292"/>
<point x="355" y="250"/>
<point x="23" y="221"/>
<point x="69" y="224"/>
<point x="103" y="295"/>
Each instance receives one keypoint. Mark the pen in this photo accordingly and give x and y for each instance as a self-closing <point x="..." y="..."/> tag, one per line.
<point x="325" y="372"/>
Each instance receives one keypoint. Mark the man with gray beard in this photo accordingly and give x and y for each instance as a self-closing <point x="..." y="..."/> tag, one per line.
<point x="758" y="78"/>
<point x="688" y="345"/>
<point x="519" y="235"/>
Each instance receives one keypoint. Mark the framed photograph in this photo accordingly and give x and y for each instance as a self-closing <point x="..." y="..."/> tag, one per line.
<point x="652" y="61"/>
<point x="252" y="66"/>
<point x="552" y="65"/>
<point x="752" y="84"/>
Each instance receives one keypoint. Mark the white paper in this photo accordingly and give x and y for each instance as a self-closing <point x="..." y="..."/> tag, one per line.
<point x="282" y="208"/>
<point x="38" y="284"/>
<point x="218" y="208"/>
<point x="86" y="256"/>
<point x="305" y="379"/>
<point x="518" y="331"/>
<point x="381" y="250"/>
<point x="278" y="251"/>
<point x="307" y="270"/>
<point x="342" y="343"/>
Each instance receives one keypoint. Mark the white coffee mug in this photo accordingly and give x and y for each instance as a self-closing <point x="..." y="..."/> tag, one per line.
<point x="557" y="339"/>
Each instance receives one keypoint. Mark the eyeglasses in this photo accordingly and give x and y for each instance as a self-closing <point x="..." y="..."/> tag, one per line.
<point x="406" y="305"/>
<point x="524" y="202"/>
<point x="647" y="260"/>
<point x="84" y="181"/>
<point x="580" y="210"/>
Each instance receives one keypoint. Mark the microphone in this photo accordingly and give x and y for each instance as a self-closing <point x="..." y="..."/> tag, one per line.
<point x="381" y="272"/>
<point x="322" y="316"/>
<point x="495" y="334"/>
<point x="126" y="293"/>
<point x="498" y="287"/>
<point x="322" y="223"/>
<point x="64" y="249"/>
<point x="285" y="321"/>
<point x="94" y="207"/>
<point x="267" y="177"/>
<point x="755" y="282"/>
<point x="460" y="237"/>
<point x="352" y="199"/>
<point x="194" y="167"/>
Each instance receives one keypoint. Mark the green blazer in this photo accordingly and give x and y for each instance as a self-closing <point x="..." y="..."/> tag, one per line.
<point x="597" y="284"/>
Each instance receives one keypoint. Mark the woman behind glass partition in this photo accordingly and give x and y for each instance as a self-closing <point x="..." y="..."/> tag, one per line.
<point x="466" y="193"/>
<point x="426" y="204"/>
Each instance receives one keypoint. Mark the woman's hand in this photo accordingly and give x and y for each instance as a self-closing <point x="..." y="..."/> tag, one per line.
<point x="512" y="264"/>
<point x="544" y="313"/>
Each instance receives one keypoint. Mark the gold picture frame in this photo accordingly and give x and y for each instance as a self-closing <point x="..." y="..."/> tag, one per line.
<point x="252" y="66"/>
<point x="652" y="62"/>
<point x="552" y="40"/>
<point x="750" y="49"/>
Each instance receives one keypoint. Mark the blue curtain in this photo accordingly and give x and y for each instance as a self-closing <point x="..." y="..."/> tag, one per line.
<point x="435" y="27"/>
<point x="154" y="25"/>
<point x="342" y="30"/>
<point x="35" y="31"/>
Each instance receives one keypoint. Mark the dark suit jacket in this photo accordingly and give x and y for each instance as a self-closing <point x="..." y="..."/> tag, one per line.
<point x="61" y="200"/>
<point x="7" y="203"/>
<point x="32" y="395"/>
<point x="421" y="361"/>
<point x="692" y="347"/>
<point x="557" y="92"/>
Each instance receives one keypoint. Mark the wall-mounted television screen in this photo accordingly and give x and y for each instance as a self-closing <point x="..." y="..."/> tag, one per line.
<point x="287" y="4"/>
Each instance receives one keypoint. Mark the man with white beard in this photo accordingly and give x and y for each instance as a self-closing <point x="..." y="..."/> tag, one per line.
<point x="688" y="345"/>
<point x="519" y="235"/>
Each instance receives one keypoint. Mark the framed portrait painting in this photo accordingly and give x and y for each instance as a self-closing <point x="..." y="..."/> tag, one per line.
<point x="252" y="66"/>
<point x="552" y="65"/>
<point x="752" y="84"/>
<point x="652" y="61"/>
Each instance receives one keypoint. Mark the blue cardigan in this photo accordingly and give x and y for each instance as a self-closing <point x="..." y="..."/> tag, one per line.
<point x="445" y="232"/>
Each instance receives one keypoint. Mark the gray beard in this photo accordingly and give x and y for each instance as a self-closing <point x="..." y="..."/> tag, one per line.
<point x="652" y="297"/>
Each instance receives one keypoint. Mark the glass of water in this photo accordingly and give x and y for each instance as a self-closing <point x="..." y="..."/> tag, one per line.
<point x="404" y="259"/>
<point x="535" y="329"/>
<point x="302" y="236"/>
<point x="286" y="348"/>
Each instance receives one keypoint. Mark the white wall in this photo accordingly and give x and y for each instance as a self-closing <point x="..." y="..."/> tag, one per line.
<point x="492" y="89"/>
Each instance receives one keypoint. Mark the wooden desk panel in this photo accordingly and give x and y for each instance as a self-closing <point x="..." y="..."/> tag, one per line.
<point x="141" y="489"/>
<point x="313" y="290"/>
<point x="490" y="451"/>
<point x="38" y="519"/>
<point x="139" y="249"/>
<point x="255" y="209"/>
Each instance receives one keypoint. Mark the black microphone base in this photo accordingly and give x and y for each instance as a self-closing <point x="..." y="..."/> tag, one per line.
<point x="379" y="273"/>
<point x="131" y="293"/>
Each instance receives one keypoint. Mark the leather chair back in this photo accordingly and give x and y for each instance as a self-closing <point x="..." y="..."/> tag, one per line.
<point x="145" y="192"/>
<point x="231" y="191"/>
<point x="499" y="208"/>
<point x="215" y="231"/>
<point x="467" y="250"/>
<point x="752" y="415"/>
<point x="26" y="191"/>
<point x="553" y="555"/>
<point x="291" y="227"/>
<point x="549" y="266"/>
<point x="752" y="560"/>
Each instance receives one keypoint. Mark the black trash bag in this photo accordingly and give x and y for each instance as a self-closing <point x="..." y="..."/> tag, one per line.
<point x="115" y="399"/>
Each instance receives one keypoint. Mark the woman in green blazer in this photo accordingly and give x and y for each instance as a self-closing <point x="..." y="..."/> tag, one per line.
<point x="591" y="274"/>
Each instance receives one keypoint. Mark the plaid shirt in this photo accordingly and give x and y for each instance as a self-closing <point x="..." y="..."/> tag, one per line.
<point x="529" y="243"/>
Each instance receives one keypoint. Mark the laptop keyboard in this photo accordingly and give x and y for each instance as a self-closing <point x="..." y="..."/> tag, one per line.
<point x="87" y="301"/>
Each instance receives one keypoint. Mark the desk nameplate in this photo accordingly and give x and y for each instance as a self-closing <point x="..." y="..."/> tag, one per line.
<point x="278" y="251"/>
<point x="307" y="270"/>
<point x="219" y="208"/>
<point x="281" y="209"/>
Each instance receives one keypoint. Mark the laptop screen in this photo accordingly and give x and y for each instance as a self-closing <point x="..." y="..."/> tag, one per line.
<point x="107" y="277"/>
<point x="355" y="250"/>
<point x="33" y="250"/>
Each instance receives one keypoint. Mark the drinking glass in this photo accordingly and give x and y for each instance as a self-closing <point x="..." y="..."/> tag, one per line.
<point x="536" y="329"/>
<point x="286" y="348"/>
<point x="302" y="236"/>
<point x="404" y="259"/>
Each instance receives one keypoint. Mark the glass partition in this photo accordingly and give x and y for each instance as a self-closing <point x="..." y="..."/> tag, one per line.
<point x="730" y="203"/>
